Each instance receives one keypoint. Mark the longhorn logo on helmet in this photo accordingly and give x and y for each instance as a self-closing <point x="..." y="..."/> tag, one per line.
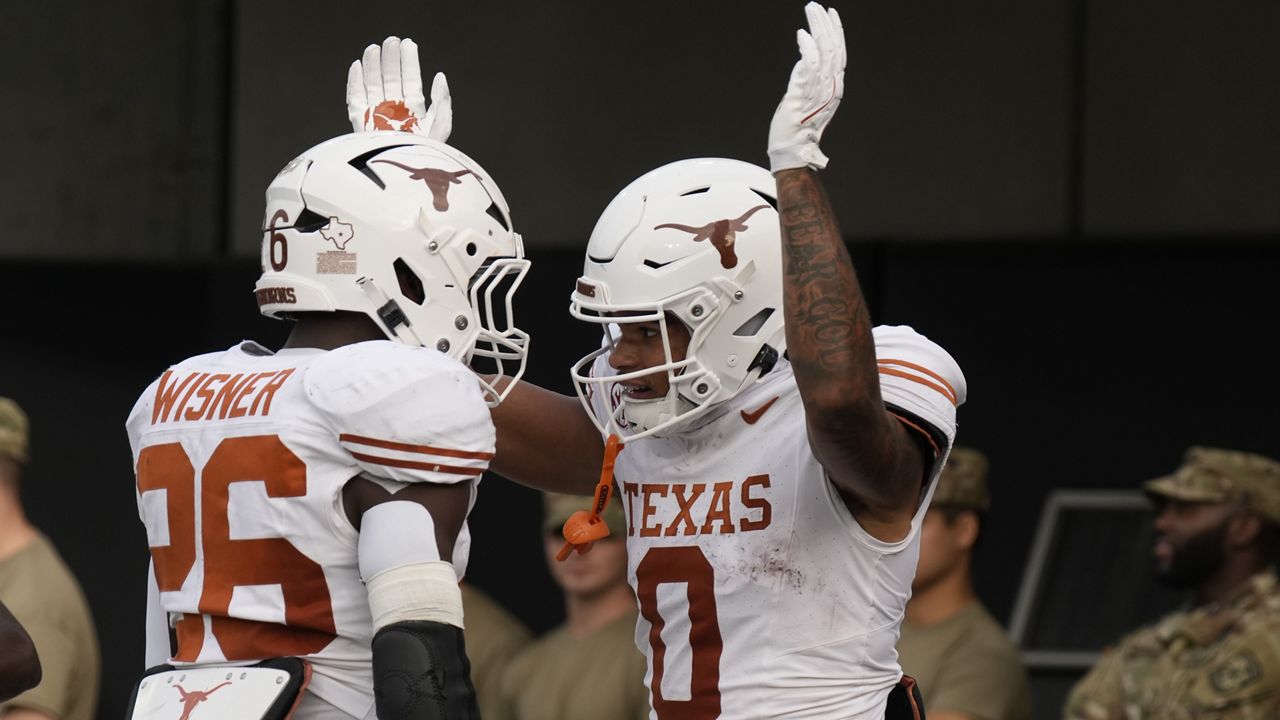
<point x="437" y="180"/>
<point x="721" y="233"/>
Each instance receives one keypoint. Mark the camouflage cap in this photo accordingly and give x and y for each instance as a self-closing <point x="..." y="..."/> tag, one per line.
<point x="964" y="481"/>
<point x="557" y="508"/>
<point x="1216" y="475"/>
<point x="14" y="437"/>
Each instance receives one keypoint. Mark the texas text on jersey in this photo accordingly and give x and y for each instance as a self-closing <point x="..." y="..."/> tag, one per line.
<point x="737" y="541"/>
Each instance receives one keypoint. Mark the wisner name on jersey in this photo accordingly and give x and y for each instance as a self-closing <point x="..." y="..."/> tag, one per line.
<point x="722" y="508"/>
<point x="205" y="396"/>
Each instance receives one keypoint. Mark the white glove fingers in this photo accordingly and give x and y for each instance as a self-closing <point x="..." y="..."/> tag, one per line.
<point x="824" y="36"/>
<point x="843" y="58"/>
<point x="439" y="89"/>
<point x="837" y="28"/>
<point x="819" y="26"/>
<point x="439" y="120"/>
<point x="373" y="75"/>
<point x="355" y="84"/>
<point x="830" y="45"/>
<point x="810" y="57"/>
<point x="807" y="46"/>
<point x="357" y="103"/>
<point x="411" y="76"/>
<point x="814" y="14"/>
<point x="391" y="68"/>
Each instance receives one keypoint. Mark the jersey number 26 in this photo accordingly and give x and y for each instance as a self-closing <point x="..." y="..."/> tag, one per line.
<point x="228" y="563"/>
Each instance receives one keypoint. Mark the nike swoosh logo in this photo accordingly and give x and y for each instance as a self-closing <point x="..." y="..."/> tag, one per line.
<point x="754" y="415"/>
<point x="659" y="265"/>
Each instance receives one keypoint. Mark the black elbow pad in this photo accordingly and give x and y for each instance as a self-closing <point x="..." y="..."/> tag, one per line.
<point x="421" y="672"/>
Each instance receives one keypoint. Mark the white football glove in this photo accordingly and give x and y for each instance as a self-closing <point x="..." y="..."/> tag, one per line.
<point x="384" y="92"/>
<point x="813" y="93"/>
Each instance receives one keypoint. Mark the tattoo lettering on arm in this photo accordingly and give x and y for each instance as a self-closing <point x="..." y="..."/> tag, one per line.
<point x="828" y="326"/>
<point x="868" y="456"/>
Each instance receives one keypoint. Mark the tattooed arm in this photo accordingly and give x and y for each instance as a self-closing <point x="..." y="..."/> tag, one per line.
<point x="867" y="453"/>
<point x="530" y="423"/>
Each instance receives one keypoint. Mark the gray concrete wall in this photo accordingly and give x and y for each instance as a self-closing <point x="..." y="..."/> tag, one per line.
<point x="148" y="130"/>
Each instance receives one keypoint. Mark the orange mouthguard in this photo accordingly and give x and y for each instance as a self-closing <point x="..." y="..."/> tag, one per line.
<point x="584" y="527"/>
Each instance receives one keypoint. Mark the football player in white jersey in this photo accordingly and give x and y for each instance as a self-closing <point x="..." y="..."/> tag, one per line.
<point x="311" y="502"/>
<point x="779" y="451"/>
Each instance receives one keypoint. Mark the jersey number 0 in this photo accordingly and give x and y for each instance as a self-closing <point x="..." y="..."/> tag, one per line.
<point x="683" y="565"/>
<point x="308" y="610"/>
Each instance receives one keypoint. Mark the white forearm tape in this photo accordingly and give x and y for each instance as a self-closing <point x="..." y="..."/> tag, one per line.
<point x="401" y="566"/>
<point x="422" y="591"/>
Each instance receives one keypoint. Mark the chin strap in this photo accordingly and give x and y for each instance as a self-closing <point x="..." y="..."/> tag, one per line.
<point x="584" y="527"/>
<point x="389" y="312"/>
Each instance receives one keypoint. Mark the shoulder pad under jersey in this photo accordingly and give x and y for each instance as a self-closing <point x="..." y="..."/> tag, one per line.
<point x="403" y="413"/>
<point x="918" y="376"/>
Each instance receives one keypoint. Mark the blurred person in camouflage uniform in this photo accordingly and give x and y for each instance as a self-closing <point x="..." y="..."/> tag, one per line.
<point x="1218" y="534"/>
<point x="965" y="663"/>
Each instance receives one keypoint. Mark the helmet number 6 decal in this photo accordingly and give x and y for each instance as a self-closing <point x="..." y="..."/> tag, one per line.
<point x="278" y="241"/>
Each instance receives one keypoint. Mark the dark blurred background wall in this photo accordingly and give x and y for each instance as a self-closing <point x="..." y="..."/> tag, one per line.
<point x="1079" y="199"/>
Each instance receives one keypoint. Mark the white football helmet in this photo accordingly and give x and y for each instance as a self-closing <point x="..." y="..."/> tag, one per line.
<point x="696" y="240"/>
<point x="407" y="230"/>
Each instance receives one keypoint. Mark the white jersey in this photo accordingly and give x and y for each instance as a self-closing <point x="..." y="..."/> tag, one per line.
<point x="241" y="457"/>
<point x="760" y="594"/>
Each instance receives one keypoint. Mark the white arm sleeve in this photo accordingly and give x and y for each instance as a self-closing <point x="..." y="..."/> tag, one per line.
<point x="405" y="578"/>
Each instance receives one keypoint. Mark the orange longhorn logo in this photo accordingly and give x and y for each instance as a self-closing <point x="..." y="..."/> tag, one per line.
<point x="191" y="699"/>
<point x="391" y="115"/>
<point x="437" y="180"/>
<point x="721" y="233"/>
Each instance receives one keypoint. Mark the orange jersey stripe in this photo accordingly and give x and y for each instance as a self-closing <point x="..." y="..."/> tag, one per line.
<point x="415" y="465"/>
<point x="943" y="386"/>
<point x="406" y="447"/>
